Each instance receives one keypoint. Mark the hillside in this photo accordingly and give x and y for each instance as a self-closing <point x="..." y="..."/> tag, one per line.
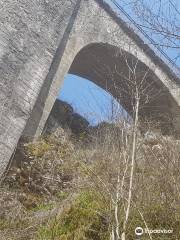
<point x="63" y="189"/>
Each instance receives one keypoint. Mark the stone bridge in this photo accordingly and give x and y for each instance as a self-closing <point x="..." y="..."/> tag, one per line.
<point x="42" y="40"/>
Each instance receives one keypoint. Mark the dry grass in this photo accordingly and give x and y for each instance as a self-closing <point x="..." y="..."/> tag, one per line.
<point x="55" y="168"/>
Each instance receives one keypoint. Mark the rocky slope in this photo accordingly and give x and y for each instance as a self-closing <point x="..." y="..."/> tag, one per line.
<point x="63" y="115"/>
<point x="61" y="187"/>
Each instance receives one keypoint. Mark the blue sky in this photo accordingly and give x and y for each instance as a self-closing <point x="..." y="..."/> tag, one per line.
<point x="167" y="11"/>
<point x="88" y="99"/>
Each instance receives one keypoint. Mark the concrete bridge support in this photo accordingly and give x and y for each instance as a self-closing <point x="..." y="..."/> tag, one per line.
<point x="41" y="41"/>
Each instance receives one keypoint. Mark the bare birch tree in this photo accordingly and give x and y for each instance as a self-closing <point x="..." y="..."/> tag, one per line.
<point x="133" y="87"/>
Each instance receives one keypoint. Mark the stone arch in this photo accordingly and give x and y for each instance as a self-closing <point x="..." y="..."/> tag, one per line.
<point x="105" y="65"/>
<point x="38" y="44"/>
<point x="96" y="24"/>
<point x="109" y="67"/>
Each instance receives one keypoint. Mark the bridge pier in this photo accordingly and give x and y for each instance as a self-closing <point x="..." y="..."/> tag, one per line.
<point x="39" y="40"/>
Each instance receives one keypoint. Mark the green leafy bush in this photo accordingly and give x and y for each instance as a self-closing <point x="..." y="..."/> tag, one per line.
<point x="87" y="218"/>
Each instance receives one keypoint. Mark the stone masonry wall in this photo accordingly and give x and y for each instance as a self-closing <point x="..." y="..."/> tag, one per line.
<point x="38" y="41"/>
<point x="30" y="33"/>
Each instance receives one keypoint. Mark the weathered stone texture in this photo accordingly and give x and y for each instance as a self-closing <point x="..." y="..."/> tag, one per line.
<point x="30" y="32"/>
<point x="39" y="39"/>
<point x="96" y="25"/>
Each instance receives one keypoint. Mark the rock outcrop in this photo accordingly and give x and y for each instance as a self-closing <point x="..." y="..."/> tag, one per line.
<point x="63" y="115"/>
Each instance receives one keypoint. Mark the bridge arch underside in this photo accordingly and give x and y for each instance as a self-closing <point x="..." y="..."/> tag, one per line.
<point x="121" y="74"/>
<point x="117" y="72"/>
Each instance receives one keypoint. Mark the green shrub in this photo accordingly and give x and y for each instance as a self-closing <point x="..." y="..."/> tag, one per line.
<point x="38" y="149"/>
<point x="87" y="218"/>
<point x="61" y="195"/>
<point x="43" y="207"/>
